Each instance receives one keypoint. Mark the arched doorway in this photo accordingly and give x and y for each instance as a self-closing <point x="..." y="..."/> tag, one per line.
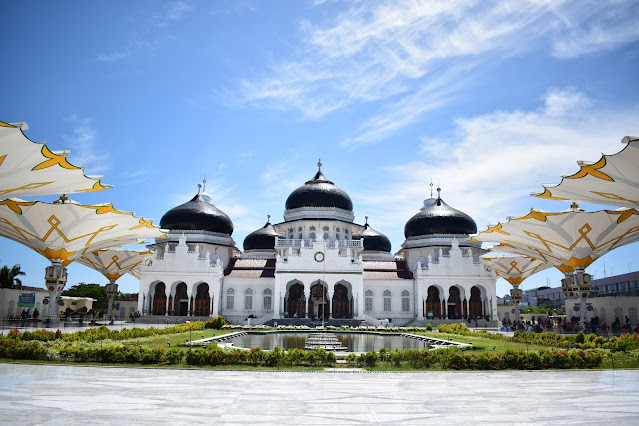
<point x="318" y="301"/>
<point x="342" y="304"/>
<point x="202" y="301"/>
<point x="295" y="301"/>
<point x="433" y="303"/>
<point x="159" y="299"/>
<point x="181" y="300"/>
<point x="475" y="306"/>
<point x="454" y="303"/>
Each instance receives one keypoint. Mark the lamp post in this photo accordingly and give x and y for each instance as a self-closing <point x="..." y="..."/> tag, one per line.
<point x="190" y="338"/>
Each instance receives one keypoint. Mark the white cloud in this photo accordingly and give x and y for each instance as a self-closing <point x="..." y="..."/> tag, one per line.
<point x="151" y="35"/>
<point x="411" y="55"/>
<point x="175" y="11"/>
<point x="82" y="141"/>
<point x="495" y="160"/>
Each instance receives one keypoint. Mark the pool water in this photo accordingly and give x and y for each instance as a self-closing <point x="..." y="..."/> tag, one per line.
<point x="355" y="342"/>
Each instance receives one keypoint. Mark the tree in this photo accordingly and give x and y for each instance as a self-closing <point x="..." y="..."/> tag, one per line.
<point x="95" y="291"/>
<point x="8" y="277"/>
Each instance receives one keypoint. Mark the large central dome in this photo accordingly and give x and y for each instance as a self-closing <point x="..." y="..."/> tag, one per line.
<point x="437" y="217"/>
<point x="319" y="192"/>
<point x="199" y="214"/>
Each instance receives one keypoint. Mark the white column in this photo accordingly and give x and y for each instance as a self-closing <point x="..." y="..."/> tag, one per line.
<point x="168" y="295"/>
<point x="277" y="298"/>
<point x="212" y="304"/>
<point x="329" y="302"/>
<point x="419" y="302"/>
<point x="307" y="295"/>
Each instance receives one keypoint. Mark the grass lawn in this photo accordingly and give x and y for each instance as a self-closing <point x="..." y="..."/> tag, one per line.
<point x="483" y="344"/>
<point x="163" y="340"/>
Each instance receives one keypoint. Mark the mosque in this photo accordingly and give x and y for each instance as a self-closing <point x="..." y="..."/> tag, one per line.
<point x="317" y="264"/>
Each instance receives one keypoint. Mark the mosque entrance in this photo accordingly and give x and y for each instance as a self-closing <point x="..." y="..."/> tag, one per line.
<point x="295" y="302"/>
<point x="454" y="304"/>
<point x="202" y="300"/>
<point x="181" y="301"/>
<point x="342" y="305"/>
<point x="433" y="305"/>
<point x="159" y="299"/>
<point x="318" y="302"/>
<point x="475" y="303"/>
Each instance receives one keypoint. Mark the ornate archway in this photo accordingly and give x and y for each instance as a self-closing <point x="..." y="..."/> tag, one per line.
<point x="318" y="301"/>
<point x="295" y="301"/>
<point x="202" y="300"/>
<point x="181" y="300"/>
<point x="159" y="299"/>
<point x="475" y="305"/>
<point x="454" y="303"/>
<point x="433" y="303"/>
<point x="342" y="304"/>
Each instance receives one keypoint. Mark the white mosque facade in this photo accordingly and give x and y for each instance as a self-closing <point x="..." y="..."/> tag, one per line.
<point x="318" y="263"/>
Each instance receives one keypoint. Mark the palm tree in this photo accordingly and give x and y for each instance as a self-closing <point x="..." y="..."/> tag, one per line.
<point x="9" y="277"/>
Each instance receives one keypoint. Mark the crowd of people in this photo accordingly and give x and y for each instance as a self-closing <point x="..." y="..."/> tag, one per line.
<point x="572" y="325"/>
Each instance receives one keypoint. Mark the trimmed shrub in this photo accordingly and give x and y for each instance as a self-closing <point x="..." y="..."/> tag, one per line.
<point x="216" y="323"/>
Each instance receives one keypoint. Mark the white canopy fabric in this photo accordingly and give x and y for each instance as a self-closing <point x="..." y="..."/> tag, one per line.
<point x="573" y="238"/>
<point x="64" y="232"/>
<point x="115" y="263"/>
<point x="30" y="169"/>
<point x="611" y="181"/>
<point x="515" y="269"/>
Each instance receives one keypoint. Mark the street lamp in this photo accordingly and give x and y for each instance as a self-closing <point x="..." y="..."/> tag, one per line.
<point x="190" y="338"/>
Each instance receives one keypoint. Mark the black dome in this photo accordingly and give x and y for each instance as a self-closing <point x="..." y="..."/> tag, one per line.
<point x="262" y="239"/>
<point x="199" y="214"/>
<point x="319" y="192"/>
<point x="439" y="218"/>
<point x="373" y="240"/>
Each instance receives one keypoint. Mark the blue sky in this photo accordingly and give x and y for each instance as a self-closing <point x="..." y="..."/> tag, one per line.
<point x="489" y="98"/>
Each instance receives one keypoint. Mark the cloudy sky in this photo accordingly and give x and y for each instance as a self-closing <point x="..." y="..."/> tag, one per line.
<point x="488" y="99"/>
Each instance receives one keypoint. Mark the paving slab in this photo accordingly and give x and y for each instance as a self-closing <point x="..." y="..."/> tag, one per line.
<point x="74" y="395"/>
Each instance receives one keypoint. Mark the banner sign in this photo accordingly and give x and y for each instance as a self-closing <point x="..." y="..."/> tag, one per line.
<point x="26" y="300"/>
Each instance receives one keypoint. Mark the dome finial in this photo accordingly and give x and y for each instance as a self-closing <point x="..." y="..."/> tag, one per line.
<point x="319" y="164"/>
<point x="204" y="184"/>
<point x="439" y="193"/>
<point x="366" y="217"/>
<point x="199" y="188"/>
<point x="431" y="188"/>
<point x="268" y="218"/>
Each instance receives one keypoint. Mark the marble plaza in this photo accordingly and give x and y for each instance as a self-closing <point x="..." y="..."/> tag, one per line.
<point x="71" y="395"/>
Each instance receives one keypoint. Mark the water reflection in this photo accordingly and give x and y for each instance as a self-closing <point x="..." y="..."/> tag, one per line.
<point x="355" y="342"/>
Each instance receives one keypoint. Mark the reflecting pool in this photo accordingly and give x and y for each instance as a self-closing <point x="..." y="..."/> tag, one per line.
<point x="354" y="341"/>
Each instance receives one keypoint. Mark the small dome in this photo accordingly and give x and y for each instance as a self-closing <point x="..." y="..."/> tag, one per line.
<point x="373" y="240"/>
<point x="199" y="214"/>
<point x="262" y="239"/>
<point x="439" y="218"/>
<point x="319" y="192"/>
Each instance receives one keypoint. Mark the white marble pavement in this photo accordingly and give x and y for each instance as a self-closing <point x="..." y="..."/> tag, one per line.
<point x="47" y="394"/>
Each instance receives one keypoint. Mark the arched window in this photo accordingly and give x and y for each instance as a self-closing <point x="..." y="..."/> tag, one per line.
<point x="268" y="299"/>
<point x="405" y="301"/>
<point x="368" y="301"/>
<point x="336" y="229"/>
<point x="230" y="299"/>
<point x="387" y="300"/>
<point x="248" y="299"/>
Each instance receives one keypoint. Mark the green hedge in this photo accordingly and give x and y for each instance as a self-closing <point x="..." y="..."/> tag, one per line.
<point x="451" y="358"/>
<point x="625" y="343"/>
